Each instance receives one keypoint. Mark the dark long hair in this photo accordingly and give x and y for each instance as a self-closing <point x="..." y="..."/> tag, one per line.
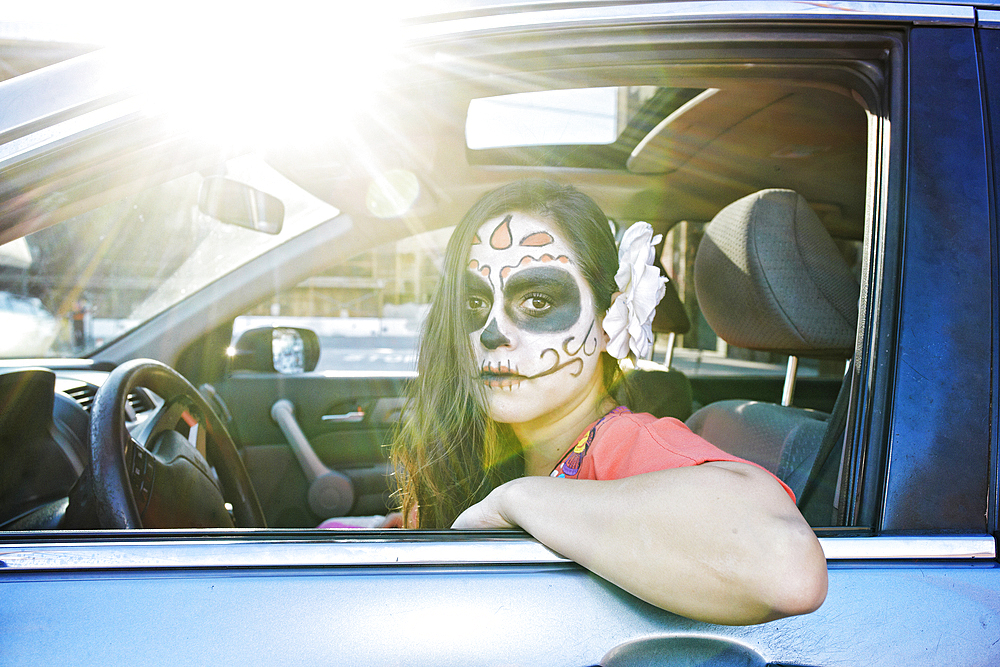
<point x="448" y="453"/>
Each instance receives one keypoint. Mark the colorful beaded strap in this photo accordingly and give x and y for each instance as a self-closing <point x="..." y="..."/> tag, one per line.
<point x="570" y="464"/>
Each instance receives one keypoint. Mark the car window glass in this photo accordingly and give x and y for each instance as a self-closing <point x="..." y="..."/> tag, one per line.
<point x="367" y="311"/>
<point x="74" y="287"/>
<point x="553" y="117"/>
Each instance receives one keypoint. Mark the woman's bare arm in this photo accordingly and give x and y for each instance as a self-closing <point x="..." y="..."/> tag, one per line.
<point x="720" y="542"/>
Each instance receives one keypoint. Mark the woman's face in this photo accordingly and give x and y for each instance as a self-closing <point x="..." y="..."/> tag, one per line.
<point x="531" y="319"/>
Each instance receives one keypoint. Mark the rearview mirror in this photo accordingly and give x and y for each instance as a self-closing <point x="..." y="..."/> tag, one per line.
<point x="236" y="203"/>
<point x="285" y="350"/>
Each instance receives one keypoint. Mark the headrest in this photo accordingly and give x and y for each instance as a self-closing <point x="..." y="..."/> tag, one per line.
<point x="670" y="316"/>
<point x="769" y="277"/>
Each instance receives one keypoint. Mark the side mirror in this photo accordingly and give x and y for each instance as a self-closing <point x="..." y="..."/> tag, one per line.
<point x="236" y="203"/>
<point x="275" y="349"/>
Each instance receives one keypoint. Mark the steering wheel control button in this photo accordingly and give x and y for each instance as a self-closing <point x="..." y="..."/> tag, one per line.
<point x="141" y="477"/>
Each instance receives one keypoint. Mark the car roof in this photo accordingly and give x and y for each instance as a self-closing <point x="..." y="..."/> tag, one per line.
<point x="806" y="136"/>
<point x="823" y="155"/>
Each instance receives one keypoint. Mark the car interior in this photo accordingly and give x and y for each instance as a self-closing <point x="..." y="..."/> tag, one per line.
<point x="759" y="177"/>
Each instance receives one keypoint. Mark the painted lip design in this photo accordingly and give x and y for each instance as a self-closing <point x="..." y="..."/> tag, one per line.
<point x="500" y="376"/>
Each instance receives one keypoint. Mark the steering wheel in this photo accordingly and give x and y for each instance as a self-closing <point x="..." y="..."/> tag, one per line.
<point x="165" y="481"/>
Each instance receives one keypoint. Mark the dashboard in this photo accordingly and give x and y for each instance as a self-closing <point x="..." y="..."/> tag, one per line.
<point x="44" y="418"/>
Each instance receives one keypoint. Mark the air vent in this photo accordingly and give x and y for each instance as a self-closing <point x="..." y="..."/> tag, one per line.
<point x="140" y="401"/>
<point x="82" y="394"/>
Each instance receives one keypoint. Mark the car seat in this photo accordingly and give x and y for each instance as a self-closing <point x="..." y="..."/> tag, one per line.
<point x="769" y="277"/>
<point x="655" y="388"/>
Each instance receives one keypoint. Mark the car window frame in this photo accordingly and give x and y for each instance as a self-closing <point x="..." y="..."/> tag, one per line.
<point x="926" y="498"/>
<point x="871" y="388"/>
<point x="988" y="39"/>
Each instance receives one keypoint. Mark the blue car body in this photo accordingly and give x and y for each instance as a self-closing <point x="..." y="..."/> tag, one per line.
<point x="913" y="571"/>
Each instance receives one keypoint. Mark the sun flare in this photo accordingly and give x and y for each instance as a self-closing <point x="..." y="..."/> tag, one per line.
<point x="268" y="75"/>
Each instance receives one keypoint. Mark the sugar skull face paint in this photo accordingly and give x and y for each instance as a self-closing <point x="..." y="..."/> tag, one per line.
<point x="531" y="318"/>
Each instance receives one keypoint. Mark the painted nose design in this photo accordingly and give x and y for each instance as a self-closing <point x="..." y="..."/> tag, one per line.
<point x="491" y="337"/>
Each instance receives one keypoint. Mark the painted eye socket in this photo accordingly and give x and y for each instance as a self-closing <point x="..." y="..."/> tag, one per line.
<point x="543" y="299"/>
<point x="476" y="303"/>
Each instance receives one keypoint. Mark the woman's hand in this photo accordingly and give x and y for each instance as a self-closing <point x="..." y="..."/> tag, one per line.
<point x="486" y="514"/>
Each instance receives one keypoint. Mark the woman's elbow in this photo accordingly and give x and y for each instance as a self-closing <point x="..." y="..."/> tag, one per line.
<point x="805" y="597"/>
<point x="803" y="584"/>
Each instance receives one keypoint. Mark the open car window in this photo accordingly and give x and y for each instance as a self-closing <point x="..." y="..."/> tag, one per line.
<point x="369" y="311"/>
<point x="367" y="210"/>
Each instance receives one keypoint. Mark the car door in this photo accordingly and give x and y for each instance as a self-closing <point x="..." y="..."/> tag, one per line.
<point x="367" y="313"/>
<point x="912" y="553"/>
<point x="911" y="537"/>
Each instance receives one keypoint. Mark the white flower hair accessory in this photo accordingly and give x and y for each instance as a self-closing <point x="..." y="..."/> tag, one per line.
<point x="629" y="322"/>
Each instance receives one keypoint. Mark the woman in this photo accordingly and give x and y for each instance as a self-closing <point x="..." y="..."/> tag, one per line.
<point x="512" y="423"/>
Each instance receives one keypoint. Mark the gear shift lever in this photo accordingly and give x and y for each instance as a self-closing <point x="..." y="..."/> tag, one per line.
<point x="330" y="493"/>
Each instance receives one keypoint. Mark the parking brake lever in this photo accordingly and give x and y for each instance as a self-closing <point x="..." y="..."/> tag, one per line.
<point x="330" y="492"/>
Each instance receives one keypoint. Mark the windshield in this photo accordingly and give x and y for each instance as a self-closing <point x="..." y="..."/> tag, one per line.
<point x="71" y="288"/>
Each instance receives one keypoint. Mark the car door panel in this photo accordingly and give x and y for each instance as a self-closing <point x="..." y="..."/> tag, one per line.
<point x="348" y="421"/>
<point x="343" y="594"/>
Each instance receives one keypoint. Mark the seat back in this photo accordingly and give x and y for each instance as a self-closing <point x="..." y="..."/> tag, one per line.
<point x="785" y="440"/>
<point x="769" y="277"/>
<point x="657" y="388"/>
<point x="660" y="391"/>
